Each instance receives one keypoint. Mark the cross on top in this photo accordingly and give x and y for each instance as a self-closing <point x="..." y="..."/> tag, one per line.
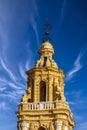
<point x="47" y="28"/>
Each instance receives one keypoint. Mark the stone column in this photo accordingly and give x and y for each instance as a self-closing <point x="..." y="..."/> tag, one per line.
<point x="58" y="125"/>
<point x="66" y="127"/>
<point x="24" y="125"/>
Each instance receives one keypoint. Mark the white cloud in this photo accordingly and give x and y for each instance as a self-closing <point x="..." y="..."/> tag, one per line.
<point x="13" y="87"/>
<point x="2" y="88"/>
<point x="33" y="23"/>
<point x="82" y="126"/>
<point x="27" y="65"/>
<point x="76" y="67"/>
<point x="9" y="96"/>
<point x="19" y="84"/>
<point x="11" y="75"/>
<point x="22" y="72"/>
<point x="62" y="13"/>
<point x="74" y="94"/>
<point x="2" y="81"/>
<point x="9" y="13"/>
<point x="72" y="102"/>
<point x="63" y="8"/>
<point x="3" y="106"/>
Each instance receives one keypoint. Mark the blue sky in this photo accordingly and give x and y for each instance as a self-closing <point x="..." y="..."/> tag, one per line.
<point x="21" y="34"/>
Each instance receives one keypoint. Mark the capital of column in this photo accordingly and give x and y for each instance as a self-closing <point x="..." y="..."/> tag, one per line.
<point x="24" y="125"/>
<point x="58" y="125"/>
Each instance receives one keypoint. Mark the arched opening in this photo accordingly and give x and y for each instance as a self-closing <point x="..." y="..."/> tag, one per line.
<point x="45" y="60"/>
<point x="32" y="90"/>
<point x="41" y="128"/>
<point x="42" y="91"/>
<point x="29" y="100"/>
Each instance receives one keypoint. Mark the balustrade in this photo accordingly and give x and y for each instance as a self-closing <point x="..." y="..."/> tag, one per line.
<point x="41" y="105"/>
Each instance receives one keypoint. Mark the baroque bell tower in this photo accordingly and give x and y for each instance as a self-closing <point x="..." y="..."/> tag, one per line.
<point x="44" y="106"/>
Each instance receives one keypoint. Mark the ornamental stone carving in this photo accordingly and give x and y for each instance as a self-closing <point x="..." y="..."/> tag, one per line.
<point x="37" y="80"/>
<point x="48" y="63"/>
<point x="24" y="98"/>
<point x="45" y="125"/>
<point x="29" y="91"/>
<point x="27" y="96"/>
<point x="34" y="126"/>
<point x="51" y="126"/>
<point x="53" y="64"/>
<point x="30" y="81"/>
<point x="58" y="93"/>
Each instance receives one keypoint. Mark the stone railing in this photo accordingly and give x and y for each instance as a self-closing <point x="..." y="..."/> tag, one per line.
<point x="42" y="105"/>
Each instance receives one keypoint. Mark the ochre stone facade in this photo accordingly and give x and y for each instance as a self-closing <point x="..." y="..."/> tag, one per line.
<point x="44" y="106"/>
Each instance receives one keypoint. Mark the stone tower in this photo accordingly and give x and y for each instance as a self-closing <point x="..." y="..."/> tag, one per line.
<point x="44" y="106"/>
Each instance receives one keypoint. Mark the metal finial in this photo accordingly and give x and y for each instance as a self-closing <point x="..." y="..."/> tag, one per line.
<point x="47" y="28"/>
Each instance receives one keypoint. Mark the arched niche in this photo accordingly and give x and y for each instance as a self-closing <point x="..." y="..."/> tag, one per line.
<point x="42" y="91"/>
<point x="41" y="128"/>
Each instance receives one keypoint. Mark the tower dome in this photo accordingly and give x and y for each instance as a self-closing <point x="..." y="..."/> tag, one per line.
<point x="46" y="51"/>
<point x="46" y="47"/>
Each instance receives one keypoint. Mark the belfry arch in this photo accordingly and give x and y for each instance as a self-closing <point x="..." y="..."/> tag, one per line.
<point x="42" y="91"/>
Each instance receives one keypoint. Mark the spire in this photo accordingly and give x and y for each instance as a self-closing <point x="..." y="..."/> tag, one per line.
<point x="46" y="46"/>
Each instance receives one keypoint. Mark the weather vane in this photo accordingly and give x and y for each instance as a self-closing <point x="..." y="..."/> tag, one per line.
<point x="47" y="28"/>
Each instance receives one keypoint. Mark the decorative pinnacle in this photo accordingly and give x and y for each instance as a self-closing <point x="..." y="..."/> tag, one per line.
<point x="47" y="27"/>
